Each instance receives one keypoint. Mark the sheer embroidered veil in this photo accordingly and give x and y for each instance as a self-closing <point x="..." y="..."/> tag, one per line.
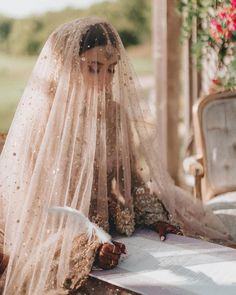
<point x="81" y="118"/>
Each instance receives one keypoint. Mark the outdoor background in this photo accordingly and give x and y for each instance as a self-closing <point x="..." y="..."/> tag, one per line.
<point x="25" y="26"/>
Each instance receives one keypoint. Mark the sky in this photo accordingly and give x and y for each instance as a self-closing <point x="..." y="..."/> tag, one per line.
<point x="22" y="8"/>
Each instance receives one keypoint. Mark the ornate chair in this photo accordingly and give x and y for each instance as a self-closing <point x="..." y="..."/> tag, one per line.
<point x="214" y="165"/>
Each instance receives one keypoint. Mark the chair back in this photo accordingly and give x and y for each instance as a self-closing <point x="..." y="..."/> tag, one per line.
<point x="215" y="138"/>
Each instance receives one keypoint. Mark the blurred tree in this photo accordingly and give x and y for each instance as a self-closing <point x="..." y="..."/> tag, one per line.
<point x="23" y="37"/>
<point x="27" y="36"/>
<point x="138" y="12"/>
<point x="5" y="29"/>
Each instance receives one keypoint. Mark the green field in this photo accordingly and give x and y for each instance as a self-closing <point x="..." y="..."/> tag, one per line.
<point x="15" y="71"/>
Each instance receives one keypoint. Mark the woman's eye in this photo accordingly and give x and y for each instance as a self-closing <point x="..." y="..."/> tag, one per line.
<point x="111" y="70"/>
<point x="93" y="70"/>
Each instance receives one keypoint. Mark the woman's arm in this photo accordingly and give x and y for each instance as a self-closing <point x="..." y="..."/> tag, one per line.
<point x="150" y="211"/>
<point x="147" y="207"/>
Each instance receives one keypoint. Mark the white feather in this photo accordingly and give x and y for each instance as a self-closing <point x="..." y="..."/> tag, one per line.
<point x="84" y="222"/>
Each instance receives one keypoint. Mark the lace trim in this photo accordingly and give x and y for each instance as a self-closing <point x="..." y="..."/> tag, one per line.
<point x="148" y="208"/>
<point x="124" y="220"/>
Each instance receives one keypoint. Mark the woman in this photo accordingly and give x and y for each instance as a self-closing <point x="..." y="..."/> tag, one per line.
<point x="83" y="138"/>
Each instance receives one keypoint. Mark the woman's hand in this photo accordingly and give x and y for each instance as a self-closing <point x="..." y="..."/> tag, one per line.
<point x="108" y="255"/>
<point x="3" y="263"/>
<point x="164" y="228"/>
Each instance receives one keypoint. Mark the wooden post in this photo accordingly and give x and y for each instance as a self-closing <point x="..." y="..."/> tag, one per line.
<point x="192" y="88"/>
<point x="173" y="86"/>
<point x="167" y="59"/>
<point x="160" y="71"/>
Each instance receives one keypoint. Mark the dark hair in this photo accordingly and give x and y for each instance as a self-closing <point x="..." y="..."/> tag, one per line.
<point x="97" y="35"/>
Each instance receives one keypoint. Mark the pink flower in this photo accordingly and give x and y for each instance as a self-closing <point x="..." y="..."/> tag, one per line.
<point x="233" y="3"/>
<point x="215" y="36"/>
<point x="215" y="25"/>
<point x="222" y="14"/>
<point x="231" y="25"/>
<point x="216" y="81"/>
<point x="228" y="35"/>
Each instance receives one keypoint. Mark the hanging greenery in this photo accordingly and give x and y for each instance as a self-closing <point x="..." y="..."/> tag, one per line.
<point x="216" y="31"/>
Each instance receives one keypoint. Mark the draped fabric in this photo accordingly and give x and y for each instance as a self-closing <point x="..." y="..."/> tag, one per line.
<point x="80" y="133"/>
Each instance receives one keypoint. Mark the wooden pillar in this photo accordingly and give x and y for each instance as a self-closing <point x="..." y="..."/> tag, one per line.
<point x="173" y="86"/>
<point x="191" y="80"/>
<point x="190" y="94"/>
<point x="167" y="59"/>
<point x="160" y="71"/>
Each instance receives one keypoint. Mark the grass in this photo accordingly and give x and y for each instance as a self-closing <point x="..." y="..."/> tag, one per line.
<point x="142" y="66"/>
<point x="15" y="71"/>
<point x="141" y="58"/>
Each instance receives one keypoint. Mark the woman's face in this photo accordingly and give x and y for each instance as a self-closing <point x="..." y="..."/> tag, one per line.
<point x="98" y="66"/>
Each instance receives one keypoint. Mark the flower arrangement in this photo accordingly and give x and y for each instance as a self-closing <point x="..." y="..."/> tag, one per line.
<point x="223" y="29"/>
<point x="216" y="30"/>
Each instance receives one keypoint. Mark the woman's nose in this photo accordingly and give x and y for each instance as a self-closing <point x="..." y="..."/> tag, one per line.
<point x="106" y="77"/>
